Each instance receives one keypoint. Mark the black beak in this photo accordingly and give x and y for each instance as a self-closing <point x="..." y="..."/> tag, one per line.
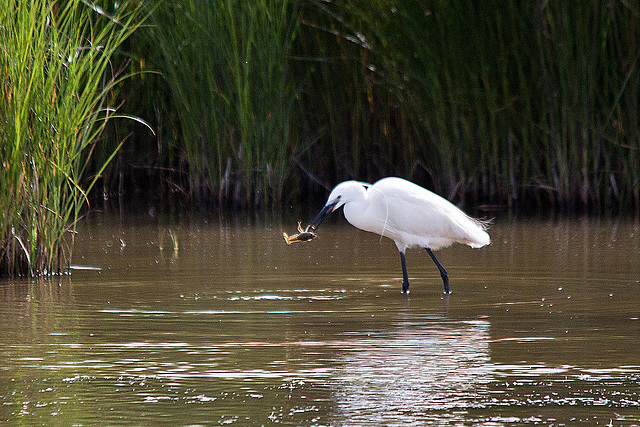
<point x="328" y="208"/>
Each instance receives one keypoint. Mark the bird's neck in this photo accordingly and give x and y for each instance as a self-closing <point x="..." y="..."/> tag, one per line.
<point x="356" y="213"/>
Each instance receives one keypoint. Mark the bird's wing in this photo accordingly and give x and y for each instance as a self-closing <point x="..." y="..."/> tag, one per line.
<point x="410" y="210"/>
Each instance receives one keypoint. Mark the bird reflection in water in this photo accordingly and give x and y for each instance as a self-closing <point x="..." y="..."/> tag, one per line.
<point x="401" y="376"/>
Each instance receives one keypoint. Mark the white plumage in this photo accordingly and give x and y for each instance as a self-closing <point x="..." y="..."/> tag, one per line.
<point x="408" y="214"/>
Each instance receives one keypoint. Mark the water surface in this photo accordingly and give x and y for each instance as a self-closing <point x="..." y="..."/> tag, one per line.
<point x="236" y="327"/>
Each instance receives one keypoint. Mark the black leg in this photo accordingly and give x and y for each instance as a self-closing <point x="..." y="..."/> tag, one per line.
<point x="405" y="276"/>
<point x="443" y="272"/>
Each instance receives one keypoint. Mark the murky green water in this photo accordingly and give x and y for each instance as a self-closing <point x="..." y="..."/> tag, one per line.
<point x="235" y="327"/>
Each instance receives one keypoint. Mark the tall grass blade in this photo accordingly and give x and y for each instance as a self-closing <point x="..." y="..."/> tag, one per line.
<point x="54" y="87"/>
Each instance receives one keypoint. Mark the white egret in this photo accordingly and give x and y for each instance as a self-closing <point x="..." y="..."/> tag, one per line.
<point x="409" y="215"/>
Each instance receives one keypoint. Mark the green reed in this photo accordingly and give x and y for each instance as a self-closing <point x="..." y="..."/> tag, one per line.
<point x="504" y="102"/>
<point x="508" y="103"/>
<point x="55" y="78"/>
<point x="226" y="66"/>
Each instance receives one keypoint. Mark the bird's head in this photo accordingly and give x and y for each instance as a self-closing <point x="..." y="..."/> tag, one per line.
<point x="345" y="192"/>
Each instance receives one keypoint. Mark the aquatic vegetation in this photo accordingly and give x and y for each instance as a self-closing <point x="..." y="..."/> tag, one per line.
<point x="55" y="81"/>
<point x="226" y="68"/>
<point x="520" y="105"/>
<point x="504" y="103"/>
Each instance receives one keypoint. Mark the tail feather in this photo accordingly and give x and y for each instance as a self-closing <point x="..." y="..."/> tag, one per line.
<point x="477" y="235"/>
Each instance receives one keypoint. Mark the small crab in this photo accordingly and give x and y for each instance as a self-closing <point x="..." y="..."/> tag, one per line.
<point x="302" y="236"/>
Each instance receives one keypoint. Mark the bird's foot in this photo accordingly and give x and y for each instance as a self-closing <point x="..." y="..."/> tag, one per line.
<point x="405" y="287"/>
